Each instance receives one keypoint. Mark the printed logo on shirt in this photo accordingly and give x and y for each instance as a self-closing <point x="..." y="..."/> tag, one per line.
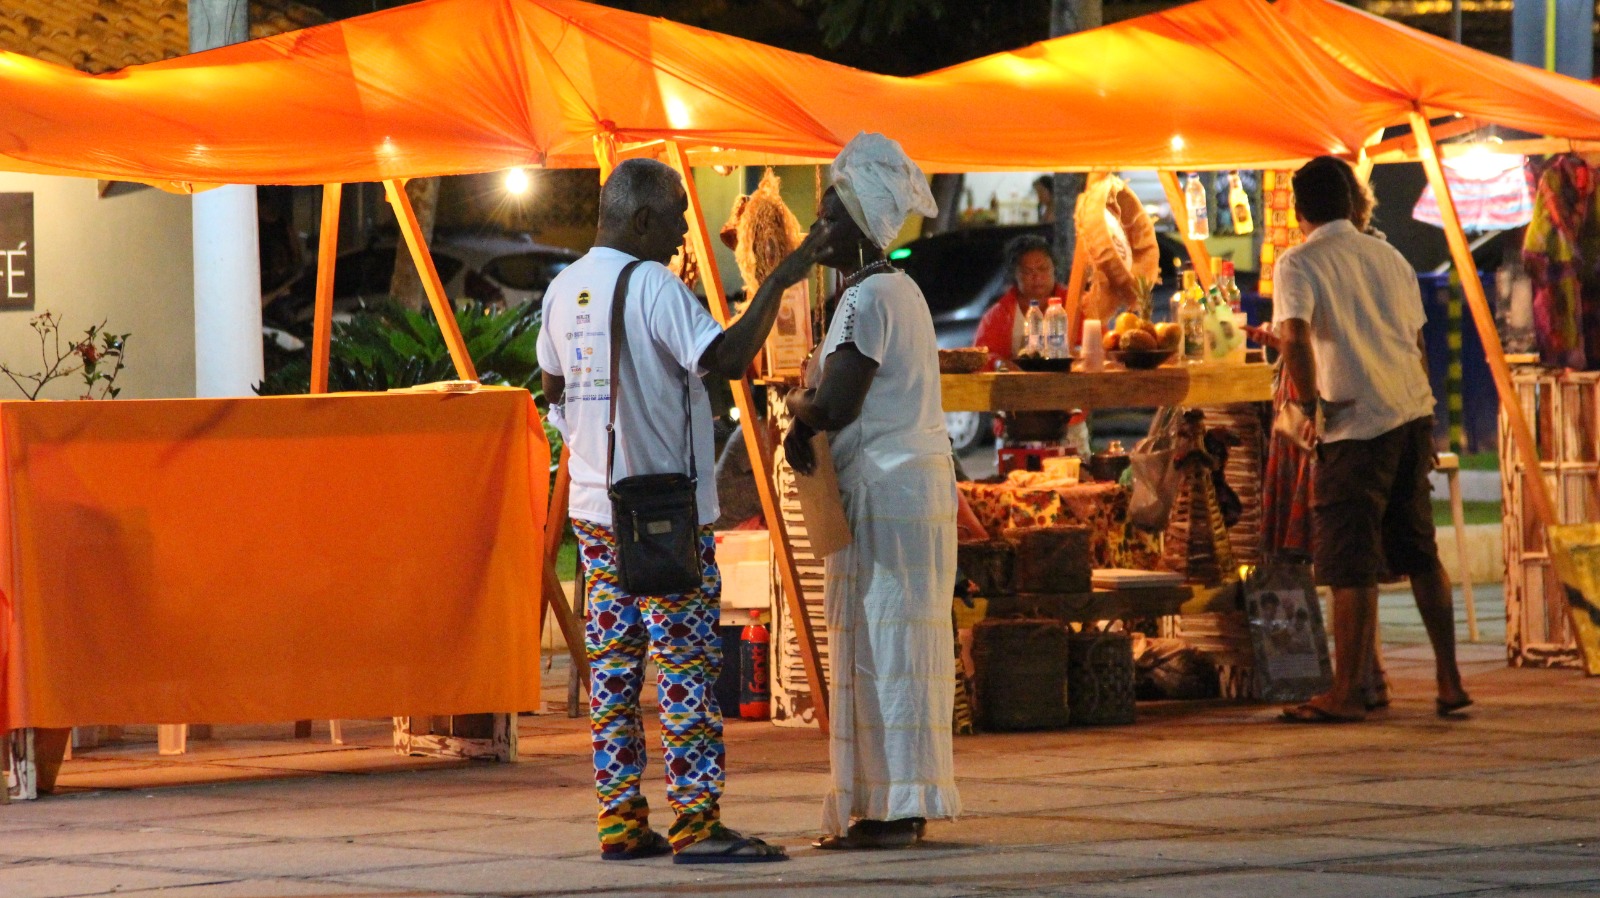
<point x="583" y="299"/>
<point x="582" y="319"/>
<point x="582" y="353"/>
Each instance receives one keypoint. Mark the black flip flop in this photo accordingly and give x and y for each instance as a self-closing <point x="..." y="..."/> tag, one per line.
<point x="734" y="849"/>
<point x="655" y="846"/>
<point x="1451" y="709"/>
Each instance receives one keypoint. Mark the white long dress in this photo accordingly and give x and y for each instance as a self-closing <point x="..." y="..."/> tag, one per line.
<point x="887" y="595"/>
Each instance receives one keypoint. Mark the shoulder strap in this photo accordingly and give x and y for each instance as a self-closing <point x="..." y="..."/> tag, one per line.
<point x="618" y="297"/>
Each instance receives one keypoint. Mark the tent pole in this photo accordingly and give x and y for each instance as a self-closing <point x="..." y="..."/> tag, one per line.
<point x="1199" y="256"/>
<point x="442" y="311"/>
<point x="551" y="596"/>
<point x="327" y="257"/>
<point x="756" y="444"/>
<point x="1534" y="484"/>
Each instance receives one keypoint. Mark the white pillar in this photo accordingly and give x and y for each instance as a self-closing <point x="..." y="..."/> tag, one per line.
<point x="227" y="292"/>
<point x="227" y="258"/>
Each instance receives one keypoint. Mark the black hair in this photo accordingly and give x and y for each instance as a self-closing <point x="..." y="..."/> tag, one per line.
<point x="1020" y="246"/>
<point x="1322" y="190"/>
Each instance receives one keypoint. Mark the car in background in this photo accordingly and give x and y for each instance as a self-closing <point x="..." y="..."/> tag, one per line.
<point x="962" y="273"/>
<point x="493" y="269"/>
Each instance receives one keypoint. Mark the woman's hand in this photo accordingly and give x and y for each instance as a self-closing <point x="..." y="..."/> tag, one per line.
<point x="797" y="448"/>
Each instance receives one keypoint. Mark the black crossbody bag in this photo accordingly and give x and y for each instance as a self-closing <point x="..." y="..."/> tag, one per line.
<point x="654" y="517"/>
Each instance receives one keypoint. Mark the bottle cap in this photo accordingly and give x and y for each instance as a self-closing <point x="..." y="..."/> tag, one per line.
<point x="1227" y="269"/>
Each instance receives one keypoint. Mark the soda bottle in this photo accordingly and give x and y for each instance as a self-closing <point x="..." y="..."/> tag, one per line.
<point x="1033" y="330"/>
<point x="1055" y="331"/>
<point x="755" y="693"/>
<point x="1239" y="203"/>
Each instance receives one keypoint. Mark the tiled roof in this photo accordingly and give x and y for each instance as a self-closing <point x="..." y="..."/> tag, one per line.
<point x="99" y="35"/>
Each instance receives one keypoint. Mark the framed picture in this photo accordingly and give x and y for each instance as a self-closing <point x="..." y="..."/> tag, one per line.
<point x="16" y="251"/>
<point x="1286" y="630"/>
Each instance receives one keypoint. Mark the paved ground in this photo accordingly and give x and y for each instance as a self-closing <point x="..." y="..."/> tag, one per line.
<point x="1197" y="799"/>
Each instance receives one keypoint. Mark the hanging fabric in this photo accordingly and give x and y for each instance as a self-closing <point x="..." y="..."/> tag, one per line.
<point x="1562" y="253"/>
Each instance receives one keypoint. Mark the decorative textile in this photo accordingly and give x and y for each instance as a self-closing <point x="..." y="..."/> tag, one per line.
<point x="1490" y="193"/>
<point x="680" y="634"/>
<point x="1562" y="254"/>
<point x="1286" y="500"/>
<point x="1102" y="507"/>
<point x="887" y="598"/>
<point x="1283" y="227"/>
<point x="880" y="186"/>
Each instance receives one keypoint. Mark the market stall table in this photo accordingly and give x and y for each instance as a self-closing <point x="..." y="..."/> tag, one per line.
<point x="1016" y="391"/>
<point x="269" y="559"/>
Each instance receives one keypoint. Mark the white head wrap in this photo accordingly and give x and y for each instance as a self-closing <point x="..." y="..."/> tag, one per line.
<point x="880" y="186"/>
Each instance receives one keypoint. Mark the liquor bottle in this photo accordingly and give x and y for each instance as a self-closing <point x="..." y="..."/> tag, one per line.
<point x="1055" y="330"/>
<point x="1192" y="318"/>
<point x="1239" y="204"/>
<point x="1228" y="281"/>
<point x="1033" y="330"/>
<point x="1194" y="196"/>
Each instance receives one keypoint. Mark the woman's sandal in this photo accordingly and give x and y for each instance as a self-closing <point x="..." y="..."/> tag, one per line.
<point x="655" y="845"/>
<point x="728" y="847"/>
<point x="869" y="835"/>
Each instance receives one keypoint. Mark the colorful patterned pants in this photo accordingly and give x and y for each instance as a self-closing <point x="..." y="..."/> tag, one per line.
<point x="680" y="634"/>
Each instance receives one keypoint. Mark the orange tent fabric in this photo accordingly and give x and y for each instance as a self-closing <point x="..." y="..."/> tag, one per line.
<point x="1445" y="77"/>
<point x="455" y="86"/>
<point x="279" y="558"/>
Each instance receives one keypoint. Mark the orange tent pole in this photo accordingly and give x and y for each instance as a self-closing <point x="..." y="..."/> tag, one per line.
<point x="412" y="231"/>
<point x="327" y="257"/>
<point x="756" y="444"/>
<point x="1534" y="484"/>
<point x="1199" y="256"/>
<point x="551" y="596"/>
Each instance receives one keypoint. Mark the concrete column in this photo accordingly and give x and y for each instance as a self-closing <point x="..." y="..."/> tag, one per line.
<point x="227" y="262"/>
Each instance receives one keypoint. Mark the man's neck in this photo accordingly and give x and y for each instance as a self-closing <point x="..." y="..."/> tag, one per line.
<point x="622" y="243"/>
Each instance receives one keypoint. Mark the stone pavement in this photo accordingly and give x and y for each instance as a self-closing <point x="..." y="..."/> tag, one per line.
<point x="1196" y="799"/>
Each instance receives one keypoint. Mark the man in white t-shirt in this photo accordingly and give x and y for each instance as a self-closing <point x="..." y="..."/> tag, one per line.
<point x="671" y="340"/>
<point x="1349" y="317"/>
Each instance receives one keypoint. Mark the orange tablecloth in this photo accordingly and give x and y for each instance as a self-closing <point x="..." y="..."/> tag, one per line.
<point x="263" y="559"/>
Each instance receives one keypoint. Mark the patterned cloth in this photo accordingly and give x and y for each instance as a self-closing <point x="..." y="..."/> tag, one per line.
<point x="1562" y="254"/>
<point x="1102" y="507"/>
<point x="680" y="634"/>
<point x="1286" y="488"/>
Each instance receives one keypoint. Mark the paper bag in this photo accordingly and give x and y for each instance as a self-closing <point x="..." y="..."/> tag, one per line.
<point x="820" y="503"/>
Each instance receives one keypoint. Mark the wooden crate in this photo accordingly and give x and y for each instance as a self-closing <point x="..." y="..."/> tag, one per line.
<point x="793" y="703"/>
<point x="1563" y="408"/>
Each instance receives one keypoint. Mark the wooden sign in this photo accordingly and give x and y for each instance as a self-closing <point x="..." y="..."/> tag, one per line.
<point x="16" y="251"/>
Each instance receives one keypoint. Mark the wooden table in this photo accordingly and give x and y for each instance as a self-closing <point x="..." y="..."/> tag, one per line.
<point x="268" y="559"/>
<point x="1017" y="391"/>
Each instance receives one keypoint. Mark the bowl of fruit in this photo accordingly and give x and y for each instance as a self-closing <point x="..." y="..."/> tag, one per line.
<point x="1138" y="343"/>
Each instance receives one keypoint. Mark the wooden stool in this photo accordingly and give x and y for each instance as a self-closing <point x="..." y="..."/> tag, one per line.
<point x="1450" y="466"/>
<point x="173" y="739"/>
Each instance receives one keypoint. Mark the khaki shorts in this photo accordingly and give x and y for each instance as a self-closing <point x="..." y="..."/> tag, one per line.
<point x="1373" y="508"/>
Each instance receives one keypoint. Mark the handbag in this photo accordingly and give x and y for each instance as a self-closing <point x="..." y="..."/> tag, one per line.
<point x="1155" y="478"/>
<point x="654" y="517"/>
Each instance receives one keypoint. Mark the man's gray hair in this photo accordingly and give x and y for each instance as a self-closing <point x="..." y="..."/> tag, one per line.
<point x="636" y="184"/>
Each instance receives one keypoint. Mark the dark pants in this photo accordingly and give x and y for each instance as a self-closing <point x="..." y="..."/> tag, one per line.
<point x="1373" y="508"/>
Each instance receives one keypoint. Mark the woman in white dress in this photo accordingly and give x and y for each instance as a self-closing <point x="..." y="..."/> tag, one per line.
<point x="887" y="595"/>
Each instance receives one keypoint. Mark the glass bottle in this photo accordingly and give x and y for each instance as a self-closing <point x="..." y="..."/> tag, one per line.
<point x="1239" y="205"/>
<point x="1194" y="197"/>
<point x="1192" y="318"/>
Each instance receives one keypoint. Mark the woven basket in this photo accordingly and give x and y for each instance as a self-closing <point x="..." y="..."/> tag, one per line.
<point x="1051" y="559"/>
<point x="1100" y="679"/>
<point x="987" y="564"/>
<point x="967" y="360"/>
<point x="1020" y="674"/>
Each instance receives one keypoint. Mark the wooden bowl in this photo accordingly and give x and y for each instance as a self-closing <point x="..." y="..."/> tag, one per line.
<point x="1142" y="359"/>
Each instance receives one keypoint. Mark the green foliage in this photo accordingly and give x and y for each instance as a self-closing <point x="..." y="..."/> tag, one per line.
<point x="389" y="347"/>
<point x="97" y="357"/>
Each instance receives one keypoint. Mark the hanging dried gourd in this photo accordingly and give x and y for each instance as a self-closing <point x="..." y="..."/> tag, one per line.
<point x="1120" y="242"/>
<point x="767" y="232"/>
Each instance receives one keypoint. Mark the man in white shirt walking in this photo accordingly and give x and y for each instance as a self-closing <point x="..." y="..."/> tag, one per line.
<point x="1349" y="317"/>
<point x="670" y="340"/>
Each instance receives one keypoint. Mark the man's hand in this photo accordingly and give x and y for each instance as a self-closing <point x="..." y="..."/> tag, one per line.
<point x="797" y="448"/>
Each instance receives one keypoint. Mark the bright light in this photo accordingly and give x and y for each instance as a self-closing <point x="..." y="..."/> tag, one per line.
<point x="733" y="413"/>
<point x="517" y="183"/>
<point x="1481" y="162"/>
<point x="678" y="114"/>
<point x="1178" y="143"/>
<point x="898" y="254"/>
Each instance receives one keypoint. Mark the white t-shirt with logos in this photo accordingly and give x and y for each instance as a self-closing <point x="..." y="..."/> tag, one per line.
<point x="667" y="330"/>
<point x="1361" y="299"/>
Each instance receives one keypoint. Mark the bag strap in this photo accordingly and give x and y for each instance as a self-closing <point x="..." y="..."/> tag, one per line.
<point x="618" y="341"/>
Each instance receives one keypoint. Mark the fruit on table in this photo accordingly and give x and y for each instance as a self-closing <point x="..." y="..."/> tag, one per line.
<point x="1168" y="335"/>
<point x="1137" y="340"/>
<point x="1112" y="341"/>
<point x="1125" y="322"/>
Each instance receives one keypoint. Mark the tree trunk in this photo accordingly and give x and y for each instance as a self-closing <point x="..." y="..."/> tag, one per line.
<point x="406" y="283"/>
<point x="1069" y="17"/>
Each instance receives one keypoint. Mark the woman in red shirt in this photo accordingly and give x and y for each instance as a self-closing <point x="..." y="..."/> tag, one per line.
<point x="1032" y="272"/>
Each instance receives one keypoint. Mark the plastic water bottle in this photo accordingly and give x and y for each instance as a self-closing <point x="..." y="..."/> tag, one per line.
<point x="1055" y="331"/>
<point x="1033" y="330"/>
